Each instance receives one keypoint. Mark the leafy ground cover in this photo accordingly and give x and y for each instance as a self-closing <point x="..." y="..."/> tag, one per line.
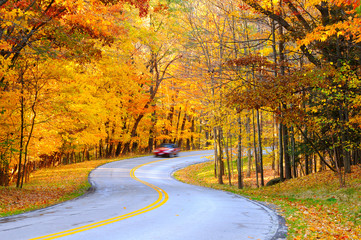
<point x="314" y="206"/>
<point x="47" y="187"/>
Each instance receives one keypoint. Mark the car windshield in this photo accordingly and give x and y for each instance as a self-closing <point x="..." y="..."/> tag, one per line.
<point x="167" y="145"/>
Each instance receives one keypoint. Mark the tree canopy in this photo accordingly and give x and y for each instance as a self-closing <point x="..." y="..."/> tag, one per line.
<point x="93" y="79"/>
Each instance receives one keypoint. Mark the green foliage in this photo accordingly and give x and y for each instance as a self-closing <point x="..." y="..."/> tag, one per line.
<point x="358" y="9"/>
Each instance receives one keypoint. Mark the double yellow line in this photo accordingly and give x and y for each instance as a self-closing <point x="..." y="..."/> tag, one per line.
<point x="162" y="198"/>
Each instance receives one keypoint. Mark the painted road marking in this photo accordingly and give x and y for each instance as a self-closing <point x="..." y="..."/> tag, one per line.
<point x="162" y="198"/>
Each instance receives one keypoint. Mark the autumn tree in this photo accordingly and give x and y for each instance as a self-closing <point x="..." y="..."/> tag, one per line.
<point x="33" y="31"/>
<point x="320" y="30"/>
<point x="155" y="45"/>
<point x="214" y="39"/>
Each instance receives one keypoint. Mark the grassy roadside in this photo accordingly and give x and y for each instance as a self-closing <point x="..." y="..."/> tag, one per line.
<point x="47" y="187"/>
<point x="314" y="206"/>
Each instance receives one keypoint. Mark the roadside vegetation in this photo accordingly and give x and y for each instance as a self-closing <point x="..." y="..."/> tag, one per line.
<point x="48" y="186"/>
<point x="314" y="206"/>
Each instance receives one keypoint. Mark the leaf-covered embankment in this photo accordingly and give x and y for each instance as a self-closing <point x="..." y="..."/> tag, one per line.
<point x="47" y="187"/>
<point x="314" y="206"/>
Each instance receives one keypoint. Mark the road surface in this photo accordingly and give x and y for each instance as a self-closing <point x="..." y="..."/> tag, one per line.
<point x="138" y="199"/>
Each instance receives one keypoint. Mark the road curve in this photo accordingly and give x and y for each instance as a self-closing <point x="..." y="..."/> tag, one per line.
<point x="137" y="199"/>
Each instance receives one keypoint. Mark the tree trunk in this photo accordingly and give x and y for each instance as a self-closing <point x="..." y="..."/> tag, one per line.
<point x="260" y="147"/>
<point x="228" y="161"/>
<point x="274" y="144"/>
<point x="307" y="157"/>
<point x="220" y="157"/>
<point x="100" y="148"/>
<point x="249" y="145"/>
<point x="281" y="155"/>
<point x="118" y="149"/>
<point x="152" y="133"/>
<point x="4" y="173"/>
<point x="239" y="159"/>
<point x="288" y="171"/>
<point x="255" y="149"/>
<point x="22" y="128"/>
<point x="344" y="139"/>
<point x="215" y="152"/>
<point x="182" y="130"/>
<point x="193" y="129"/>
<point x="294" y="166"/>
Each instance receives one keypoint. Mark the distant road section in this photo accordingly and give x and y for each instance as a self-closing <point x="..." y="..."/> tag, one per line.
<point x="137" y="199"/>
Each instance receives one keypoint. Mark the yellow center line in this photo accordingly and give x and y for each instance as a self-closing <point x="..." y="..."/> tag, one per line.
<point x="162" y="198"/>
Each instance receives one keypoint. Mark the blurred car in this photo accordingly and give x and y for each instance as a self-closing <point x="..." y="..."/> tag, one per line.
<point x="167" y="149"/>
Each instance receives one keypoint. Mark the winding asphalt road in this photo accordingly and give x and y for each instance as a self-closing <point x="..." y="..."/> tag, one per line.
<point x="138" y="199"/>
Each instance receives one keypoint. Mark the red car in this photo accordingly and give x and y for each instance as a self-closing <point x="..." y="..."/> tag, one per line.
<point x="167" y="149"/>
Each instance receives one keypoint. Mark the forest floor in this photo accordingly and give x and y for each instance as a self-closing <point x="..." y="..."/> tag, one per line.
<point x="48" y="186"/>
<point x="314" y="206"/>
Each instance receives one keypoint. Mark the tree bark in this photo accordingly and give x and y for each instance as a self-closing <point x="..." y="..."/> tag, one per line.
<point x="288" y="172"/>
<point x="260" y="147"/>
<point x="239" y="159"/>
<point x="249" y="145"/>
<point x="22" y="128"/>
<point x="280" y="154"/>
<point x="220" y="156"/>
<point x="256" y="160"/>
<point x="228" y="161"/>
